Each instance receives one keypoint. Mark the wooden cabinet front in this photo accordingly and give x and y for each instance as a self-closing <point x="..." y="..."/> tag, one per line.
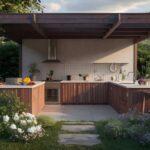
<point x="83" y="93"/>
<point x="118" y="97"/>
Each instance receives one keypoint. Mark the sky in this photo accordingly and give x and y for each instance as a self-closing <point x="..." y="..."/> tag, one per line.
<point x="101" y="6"/>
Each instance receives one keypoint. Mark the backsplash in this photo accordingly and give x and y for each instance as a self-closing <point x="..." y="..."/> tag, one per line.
<point x="62" y="70"/>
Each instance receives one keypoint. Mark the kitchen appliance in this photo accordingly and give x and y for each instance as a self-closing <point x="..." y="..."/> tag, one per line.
<point x="52" y="92"/>
<point x="51" y="52"/>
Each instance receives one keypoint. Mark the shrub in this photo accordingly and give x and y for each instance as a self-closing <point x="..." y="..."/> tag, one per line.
<point x="14" y="122"/>
<point x="132" y="116"/>
<point x="145" y="138"/>
<point x="132" y="124"/>
<point x="9" y="59"/>
<point x="45" y="121"/>
<point x="135" y="131"/>
<point x="115" y="128"/>
<point x="10" y="104"/>
<point x="22" y="126"/>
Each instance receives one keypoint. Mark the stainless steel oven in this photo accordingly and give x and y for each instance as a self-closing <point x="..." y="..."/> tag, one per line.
<point x="52" y="92"/>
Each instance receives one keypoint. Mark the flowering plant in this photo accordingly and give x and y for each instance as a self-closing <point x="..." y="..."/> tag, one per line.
<point x="22" y="126"/>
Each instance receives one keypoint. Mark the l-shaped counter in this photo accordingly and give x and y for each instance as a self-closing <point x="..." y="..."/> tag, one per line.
<point x="122" y="96"/>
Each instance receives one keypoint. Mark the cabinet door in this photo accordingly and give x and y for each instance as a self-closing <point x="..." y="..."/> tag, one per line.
<point x="84" y="93"/>
<point x="68" y="93"/>
<point x="99" y="93"/>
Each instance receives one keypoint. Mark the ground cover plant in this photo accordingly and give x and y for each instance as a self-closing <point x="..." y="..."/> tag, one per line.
<point x="132" y="125"/>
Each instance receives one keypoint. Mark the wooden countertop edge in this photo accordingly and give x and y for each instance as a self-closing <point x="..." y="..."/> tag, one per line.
<point x="37" y="83"/>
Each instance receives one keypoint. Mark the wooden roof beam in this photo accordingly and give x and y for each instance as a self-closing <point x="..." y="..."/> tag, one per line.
<point x="114" y="27"/>
<point x="37" y="27"/>
<point x="137" y="40"/>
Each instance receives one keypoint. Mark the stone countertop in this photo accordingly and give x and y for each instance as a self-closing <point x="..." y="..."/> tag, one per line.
<point x="134" y="86"/>
<point x="82" y="81"/>
<point x="125" y="84"/>
<point x="37" y="83"/>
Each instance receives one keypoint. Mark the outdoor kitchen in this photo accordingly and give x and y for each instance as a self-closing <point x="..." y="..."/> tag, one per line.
<point x="78" y="69"/>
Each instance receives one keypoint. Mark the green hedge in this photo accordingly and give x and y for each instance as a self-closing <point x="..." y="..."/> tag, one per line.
<point x="9" y="59"/>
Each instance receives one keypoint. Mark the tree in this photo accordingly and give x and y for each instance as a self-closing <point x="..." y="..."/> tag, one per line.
<point x="144" y="58"/>
<point x="20" y="6"/>
<point x="9" y="51"/>
<point x="9" y="59"/>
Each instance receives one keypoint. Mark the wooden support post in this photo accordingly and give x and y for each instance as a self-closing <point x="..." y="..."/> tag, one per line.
<point x="135" y="58"/>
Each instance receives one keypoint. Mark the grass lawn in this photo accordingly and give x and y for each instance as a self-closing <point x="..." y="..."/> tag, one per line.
<point x="49" y="142"/>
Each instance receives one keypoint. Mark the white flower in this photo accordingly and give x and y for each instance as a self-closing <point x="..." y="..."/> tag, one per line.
<point x="13" y="126"/>
<point x="16" y="117"/>
<point x="30" y="116"/>
<point x="6" y="118"/>
<point x="38" y="128"/>
<point x="29" y="121"/>
<point x="23" y="122"/>
<point x="20" y="130"/>
<point x="31" y="130"/>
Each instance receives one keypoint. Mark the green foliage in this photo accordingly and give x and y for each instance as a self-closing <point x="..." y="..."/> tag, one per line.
<point x="45" y="121"/>
<point x="115" y="128"/>
<point x="50" y="142"/>
<point x="33" y="69"/>
<point x="20" y="6"/>
<point x="9" y="59"/>
<point x="130" y="125"/>
<point x="11" y="104"/>
<point x="144" y="58"/>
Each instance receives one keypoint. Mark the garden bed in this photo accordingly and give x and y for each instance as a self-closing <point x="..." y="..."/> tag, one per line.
<point x="49" y="141"/>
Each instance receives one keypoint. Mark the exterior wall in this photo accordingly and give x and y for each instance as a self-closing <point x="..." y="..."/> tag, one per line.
<point x="78" y="55"/>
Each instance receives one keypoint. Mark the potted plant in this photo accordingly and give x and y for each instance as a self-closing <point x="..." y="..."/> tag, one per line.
<point x="33" y="70"/>
<point x="84" y="76"/>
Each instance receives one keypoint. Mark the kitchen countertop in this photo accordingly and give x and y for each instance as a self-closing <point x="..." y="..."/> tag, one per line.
<point x="125" y="84"/>
<point x="37" y="83"/>
<point x="82" y="81"/>
<point x="134" y="86"/>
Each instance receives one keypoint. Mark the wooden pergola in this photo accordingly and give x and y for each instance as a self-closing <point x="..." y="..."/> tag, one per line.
<point x="135" y="26"/>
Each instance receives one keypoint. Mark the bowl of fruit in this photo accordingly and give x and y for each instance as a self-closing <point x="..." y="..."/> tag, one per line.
<point x="27" y="81"/>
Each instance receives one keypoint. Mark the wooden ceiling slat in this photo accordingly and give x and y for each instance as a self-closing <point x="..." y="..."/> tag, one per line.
<point x="78" y="25"/>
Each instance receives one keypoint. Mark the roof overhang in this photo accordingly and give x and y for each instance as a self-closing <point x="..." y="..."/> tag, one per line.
<point x="76" y="25"/>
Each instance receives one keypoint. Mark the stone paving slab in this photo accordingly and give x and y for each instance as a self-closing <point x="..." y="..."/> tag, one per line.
<point x="78" y="128"/>
<point x="79" y="139"/>
<point x="78" y="123"/>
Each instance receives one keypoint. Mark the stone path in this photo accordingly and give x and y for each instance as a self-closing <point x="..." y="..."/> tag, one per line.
<point x="79" y="139"/>
<point x="78" y="123"/>
<point x="78" y="128"/>
<point x="74" y="135"/>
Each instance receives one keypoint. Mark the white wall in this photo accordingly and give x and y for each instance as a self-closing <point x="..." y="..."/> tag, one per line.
<point x="77" y="56"/>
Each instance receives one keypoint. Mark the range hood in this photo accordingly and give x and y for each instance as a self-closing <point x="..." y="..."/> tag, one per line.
<point x="51" y="51"/>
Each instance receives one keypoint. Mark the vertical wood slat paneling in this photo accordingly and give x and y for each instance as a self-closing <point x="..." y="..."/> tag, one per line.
<point x="123" y="99"/>
<point x="83" y="93"/>
<point x="34" y="98"/>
